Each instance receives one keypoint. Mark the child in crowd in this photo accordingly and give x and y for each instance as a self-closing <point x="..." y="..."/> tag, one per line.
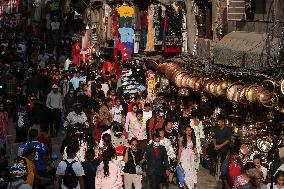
<point x="257" y="163"/>
<point x="279" y="181"/>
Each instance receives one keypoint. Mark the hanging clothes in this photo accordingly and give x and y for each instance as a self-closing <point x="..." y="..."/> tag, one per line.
<point x="150" y="46"/>
<point x="159" y="24"/>
<point x="173" y="29"/>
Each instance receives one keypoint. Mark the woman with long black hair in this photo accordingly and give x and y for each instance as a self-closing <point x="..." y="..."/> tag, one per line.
<point x="187" y="156"/>
<point x="108" y="173"/>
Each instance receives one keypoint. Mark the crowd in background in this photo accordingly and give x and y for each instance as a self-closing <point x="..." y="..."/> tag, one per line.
<point x="111" y="140"/>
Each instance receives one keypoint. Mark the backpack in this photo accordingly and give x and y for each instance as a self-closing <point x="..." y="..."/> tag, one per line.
<point x="70" y="180"/>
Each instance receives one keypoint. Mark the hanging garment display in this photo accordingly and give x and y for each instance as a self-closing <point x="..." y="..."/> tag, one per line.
<point x="173" y="28"/>
<point x="76" y="49"/>
<point x="126" y="32"/>
<point x="159" y="23"/>
<point x="144" y="29"/>
<point x="150" y="46"/>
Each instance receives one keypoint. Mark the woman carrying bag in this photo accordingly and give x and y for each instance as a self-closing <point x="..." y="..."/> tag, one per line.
<point x="133" y="159"/>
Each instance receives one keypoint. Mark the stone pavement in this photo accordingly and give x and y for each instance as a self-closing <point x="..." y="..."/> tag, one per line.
<point x="205" y="180"/>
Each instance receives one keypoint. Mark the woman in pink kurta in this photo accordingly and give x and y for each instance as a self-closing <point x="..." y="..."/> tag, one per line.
<point x="130" y="117"/>
<point x="108" y="174"/>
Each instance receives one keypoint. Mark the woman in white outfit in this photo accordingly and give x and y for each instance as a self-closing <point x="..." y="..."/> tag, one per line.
<point x="197" y="126"/>
<point x="187" y="155"/>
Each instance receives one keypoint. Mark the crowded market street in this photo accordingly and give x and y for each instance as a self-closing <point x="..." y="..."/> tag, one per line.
<point x="141" y="94"/>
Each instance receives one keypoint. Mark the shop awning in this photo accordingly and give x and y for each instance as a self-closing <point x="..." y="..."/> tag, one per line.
<point x="247" y="49"/>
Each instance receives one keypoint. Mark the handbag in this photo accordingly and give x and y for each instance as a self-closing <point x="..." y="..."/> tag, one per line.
<point x="138" y="168"/>
<point x="180" y="174"/>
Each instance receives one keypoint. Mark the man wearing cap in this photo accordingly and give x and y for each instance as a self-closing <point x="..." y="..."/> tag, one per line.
<point x="54" y="103"/>
<point x="221" y="141"/>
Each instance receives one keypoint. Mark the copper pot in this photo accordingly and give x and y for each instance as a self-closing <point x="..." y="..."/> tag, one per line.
<point x="269" y="84"/>
<point x="171" y="72"/>
<point x="251" y="93"/>
<point x="233" y="90"/>
<point x="184" y="80"/>
<point x="197" y="84"/>
<point x="163" y="66"/>
<point x="191" y="82"/>
<point x="213" y="87"/>
<point x="268" y="99"/>
<point x="178" y="79"/>
<point x="241" y="95"/>
<point x="207" y="85"/>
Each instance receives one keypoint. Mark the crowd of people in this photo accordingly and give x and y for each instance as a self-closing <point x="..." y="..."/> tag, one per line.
<point x="111" y="141"/>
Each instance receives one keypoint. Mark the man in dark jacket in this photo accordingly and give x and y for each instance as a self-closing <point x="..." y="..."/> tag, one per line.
<point x="156" y="162"/>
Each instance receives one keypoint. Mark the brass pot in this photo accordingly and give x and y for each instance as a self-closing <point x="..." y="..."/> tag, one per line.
<point x="251" y="93"/>
<point x="232" y="91"/>
<point x="222" y="87"/>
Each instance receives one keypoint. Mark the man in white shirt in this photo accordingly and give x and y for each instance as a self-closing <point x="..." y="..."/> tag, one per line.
<point x="147" y="112"/>
<point x="77" y="169"/>
<point x="116" y="111"/>
<point x="54" y="102"/>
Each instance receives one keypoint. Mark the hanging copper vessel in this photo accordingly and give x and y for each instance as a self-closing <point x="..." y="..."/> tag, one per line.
<point x="207" y="85"/>
<point x="232" y="91"/>
<point x="184" y="80"/>
<point x="268" y="99"/>
<point x="241" y="95"/>
<point x="213" y="87"/>
<point x="178" y="79"/>
<point x="222" y="87"/>
<point x="197" y="84"/>
<point x="269" y="85"/>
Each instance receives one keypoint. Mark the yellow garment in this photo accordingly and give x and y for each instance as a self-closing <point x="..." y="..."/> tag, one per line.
<point x="125" y="11"/>
<point x="30" y="170"/>
<point x="150" y="46"/>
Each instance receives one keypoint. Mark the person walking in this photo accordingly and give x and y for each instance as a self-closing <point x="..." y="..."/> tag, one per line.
<point x="133" y="158"/>
<point x="108" y="174"/>
<point x="18" y="173"/>
<point x="54" y="102"/>
<point x="197" y="126"/>
<point x="157" y="162"/>
<point x="69" y="171"/>
<point x="187" y="156"/>
<point x="137" y="129"/>
<point x="90" y="166"/>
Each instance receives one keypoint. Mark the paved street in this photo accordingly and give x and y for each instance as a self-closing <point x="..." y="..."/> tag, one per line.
<point x="205" y="181"/>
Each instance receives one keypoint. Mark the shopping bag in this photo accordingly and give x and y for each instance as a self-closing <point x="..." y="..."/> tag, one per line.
<point x="180" y="174"/>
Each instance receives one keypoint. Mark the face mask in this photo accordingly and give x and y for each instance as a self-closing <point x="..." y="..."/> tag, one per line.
<point x="156" y="143"/>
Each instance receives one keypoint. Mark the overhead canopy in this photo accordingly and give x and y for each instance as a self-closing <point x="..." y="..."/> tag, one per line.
<point x="247" y="49"/>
